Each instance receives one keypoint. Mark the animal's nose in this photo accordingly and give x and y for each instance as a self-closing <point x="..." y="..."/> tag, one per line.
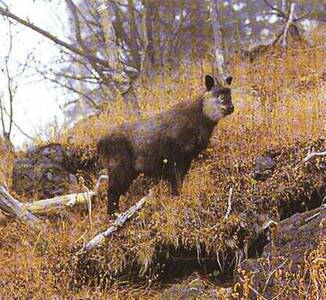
<point x="231" y="109"/>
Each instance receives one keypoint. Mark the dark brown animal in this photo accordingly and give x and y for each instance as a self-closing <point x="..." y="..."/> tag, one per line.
<point x="164" y="145"/>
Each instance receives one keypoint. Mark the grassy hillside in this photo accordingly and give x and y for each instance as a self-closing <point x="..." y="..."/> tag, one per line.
<point x="280" y="105"/>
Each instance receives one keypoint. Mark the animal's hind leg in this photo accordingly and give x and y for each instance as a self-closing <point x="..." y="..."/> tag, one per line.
<point x="174" y="183"/>
<point x="120" y="178"/>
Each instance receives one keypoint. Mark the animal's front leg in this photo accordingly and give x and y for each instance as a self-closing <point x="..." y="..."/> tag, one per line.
<point x="113" y="201"/>
<point x="120" y="178"/>
<point x="114" y="188"/>
<point x="174" y="186"/>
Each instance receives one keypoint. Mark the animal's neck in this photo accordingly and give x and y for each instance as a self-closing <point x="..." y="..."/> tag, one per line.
<point x="206" y="126"/>
<point x="211" y="109"/>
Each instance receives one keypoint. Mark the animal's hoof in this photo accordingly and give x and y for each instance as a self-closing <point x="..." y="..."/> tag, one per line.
<point x="113" y="216"/>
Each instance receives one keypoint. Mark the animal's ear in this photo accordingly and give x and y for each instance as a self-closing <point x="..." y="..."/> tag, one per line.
<point x="228" y="80"/>
<point x="209" y="82"/>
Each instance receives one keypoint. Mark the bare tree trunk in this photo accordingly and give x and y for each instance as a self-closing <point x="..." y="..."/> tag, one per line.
<point x="169" y="56"/>
<point x="148" y="60"/>
<point x="158" y="55"/>
<point x="288" y="24"/>
<point x="120" y="78"/>
<point x="11" y="91"/>
<point x="134" y="46"/>
<point x="218" y="39"/>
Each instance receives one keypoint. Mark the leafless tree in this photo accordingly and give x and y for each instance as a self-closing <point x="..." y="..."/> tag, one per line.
<point x="11" y="78"/>
<point x="103" y="71"/>
<point x="114" y="43"/>
<point x="291" y="21"/>
<point x="218" y="39"/>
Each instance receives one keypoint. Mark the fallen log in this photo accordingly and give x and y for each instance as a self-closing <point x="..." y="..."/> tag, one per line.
<point x="118" y="223"/>
<point x="12" y="207"/>
<point x="56" y="204"/>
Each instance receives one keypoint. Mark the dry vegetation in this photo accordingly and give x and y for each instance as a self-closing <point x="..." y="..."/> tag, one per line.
<point x="280" y="104"/>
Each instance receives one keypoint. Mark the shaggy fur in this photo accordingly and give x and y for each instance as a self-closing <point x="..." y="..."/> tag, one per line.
<point x="164" y="145"/>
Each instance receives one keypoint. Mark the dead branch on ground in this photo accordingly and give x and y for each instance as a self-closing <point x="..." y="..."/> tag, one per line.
<point x="310" y="156"/>
<point x="229" y="204"/>
<point x="14" y="208"/>
<point x="25" y="211"/>
<point x="118" y="223"/>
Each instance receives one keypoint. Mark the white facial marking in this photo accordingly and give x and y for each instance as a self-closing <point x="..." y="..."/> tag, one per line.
<point x="212" y="109"/>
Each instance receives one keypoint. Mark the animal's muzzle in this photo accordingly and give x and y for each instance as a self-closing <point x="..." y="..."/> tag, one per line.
<point x="230" y="110"/>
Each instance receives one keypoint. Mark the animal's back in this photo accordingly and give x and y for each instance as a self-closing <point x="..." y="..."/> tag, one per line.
<point x="167" y="137"/>
<point x="177" y="134"/>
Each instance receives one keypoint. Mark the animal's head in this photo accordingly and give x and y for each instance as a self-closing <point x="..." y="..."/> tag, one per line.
<point x="217" y="102"/>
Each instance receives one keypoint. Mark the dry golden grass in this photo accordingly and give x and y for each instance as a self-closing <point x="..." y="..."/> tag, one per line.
<point x="279" y="101"/>
<point x="6" y="162"/>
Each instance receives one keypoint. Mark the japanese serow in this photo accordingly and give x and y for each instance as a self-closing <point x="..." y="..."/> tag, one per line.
<point x="164" y="145"/>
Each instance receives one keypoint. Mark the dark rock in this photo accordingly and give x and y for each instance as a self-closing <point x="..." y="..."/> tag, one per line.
<point x="292" y="240"/>
<point x="296" y="235"/>
<point x="49" y="170"/>
<point x="264" y="167"/>
<point x="41" y="172"/>
<point x="195" y="287"/>
<point x="190" y="290"/>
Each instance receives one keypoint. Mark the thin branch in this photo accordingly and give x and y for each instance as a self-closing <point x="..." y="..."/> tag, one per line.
<point x="10" y="88"/>
<point x="89" y="23"/>
<point x="24" y="66"/>
<point x="229" y="204"/>
<point x="309" y="157"/>
<point x="280" y="12"/>
<point x="87" y="99"/>
<point x="56" y="40"/>
<point x="79" y="77"/>
<point x="304" y="15"/>
<point x="313" y="155"/>
<point x="88" y="198"/>
<point x="269" y="223"/>
<point x="254" y="290"/>
<point x="278" y="37"/>
<point x="316" y="215"/>
<point x="2" y="117"/>
<point x="282" y="291"/>
<point x="3" y="109"/>
<point x="74" y="11"/>
<point x="99" y="180"/>
<point x="273" y="272"/>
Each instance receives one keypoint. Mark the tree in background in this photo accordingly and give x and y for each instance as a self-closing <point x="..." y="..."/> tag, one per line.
<point x="112" y="44"/>
<point x="10" y="78"/>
